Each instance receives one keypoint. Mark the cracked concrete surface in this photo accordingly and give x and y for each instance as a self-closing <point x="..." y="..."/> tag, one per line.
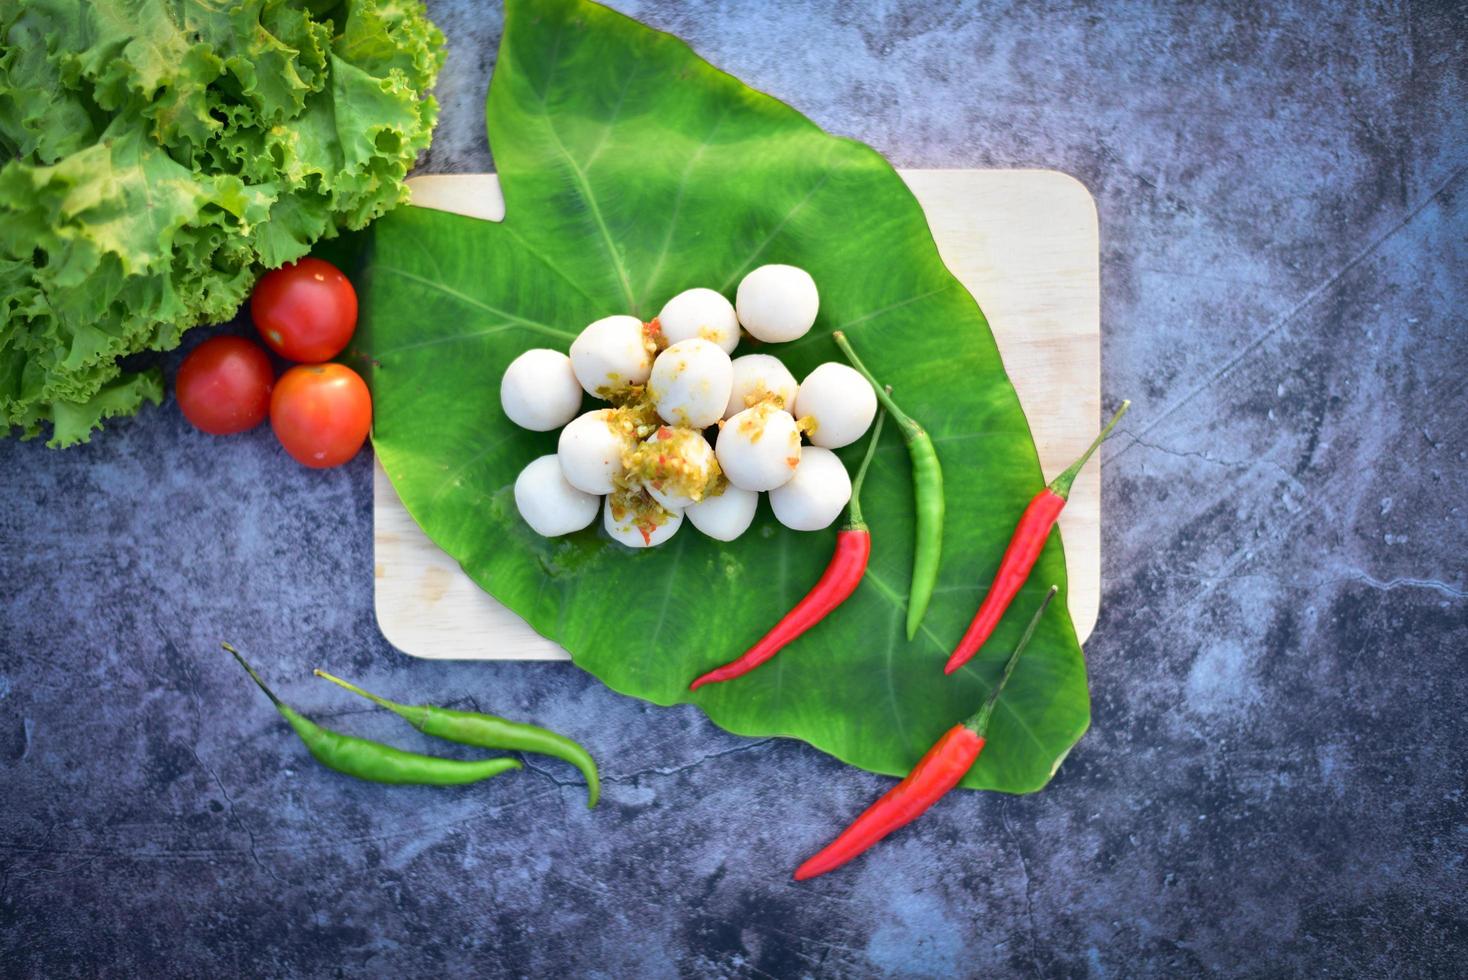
<point x="1274" y="779"/>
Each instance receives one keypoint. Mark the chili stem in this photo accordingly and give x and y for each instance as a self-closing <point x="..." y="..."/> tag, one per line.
<point x="980" y="721"/>
<point x="884" y="394"/>
<point x="253" y="676"/>
<point x="1060" y="486"/>
<point x="414" y="714"/>
<point x="379" y="701"/>
<point x="855" y="522"/>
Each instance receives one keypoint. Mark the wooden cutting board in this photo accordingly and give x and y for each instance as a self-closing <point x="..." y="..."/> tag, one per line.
<point x="1024" y="242"/>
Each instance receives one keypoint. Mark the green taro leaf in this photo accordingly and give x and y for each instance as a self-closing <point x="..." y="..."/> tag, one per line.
<point x="631" y="170"/>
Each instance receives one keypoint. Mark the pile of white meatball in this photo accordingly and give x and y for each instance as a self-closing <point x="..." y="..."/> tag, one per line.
<point x="655" y="457"/>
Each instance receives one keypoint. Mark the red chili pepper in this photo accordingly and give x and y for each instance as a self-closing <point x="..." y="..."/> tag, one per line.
<point x="937" y="772"/>
<point x="842" y="575"/>
<point x="1025" y="545"/>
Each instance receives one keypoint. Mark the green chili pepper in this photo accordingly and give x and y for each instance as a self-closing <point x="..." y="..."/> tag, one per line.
<point x="365" y="759"/>
<point x="487" y="732"/>
<point x="927" y="492"/>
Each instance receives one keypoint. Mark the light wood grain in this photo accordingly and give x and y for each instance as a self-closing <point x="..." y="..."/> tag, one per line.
<point x="1024" y="242"/>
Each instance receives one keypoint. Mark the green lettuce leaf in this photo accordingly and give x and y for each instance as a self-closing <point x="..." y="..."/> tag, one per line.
<point x="161" y="154"/>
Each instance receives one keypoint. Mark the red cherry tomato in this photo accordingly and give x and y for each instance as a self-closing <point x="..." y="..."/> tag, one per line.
<point x="223" y="386"/>
<point x="321" y="413"/>
<point x="305" y="311"/>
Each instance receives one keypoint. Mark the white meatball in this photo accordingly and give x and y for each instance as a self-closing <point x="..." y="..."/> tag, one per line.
<point x="676" y="466"/>
<point x="759" y="448"/>
<point x="700" y="313"/>
<point x="777" y="303"/>
<point x="610" y="354"/>
<point x="549" y="504"/>
<point x="690" y="383"/>
<point x="539" y="391"/>
<point x="760" y="376"/>
<point x="726" y="515"/>
<point x="638" y="521"/>
<point x="840" y="401"/>
<point x="591" y="450"/>
<point x="815" y="496"/>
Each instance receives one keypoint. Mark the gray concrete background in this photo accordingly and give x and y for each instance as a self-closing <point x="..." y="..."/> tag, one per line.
<point x="1274" y="781"/>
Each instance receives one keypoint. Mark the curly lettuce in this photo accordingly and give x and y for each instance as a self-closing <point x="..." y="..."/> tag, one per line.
<point x="161" y="153"/>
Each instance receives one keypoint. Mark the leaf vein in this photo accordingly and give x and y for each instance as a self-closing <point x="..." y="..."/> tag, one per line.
<point x="899" y="603"/>
<point x="591" y="202"/>
<point x="606" y="131"/>
<point x="449" y="480"/>
<point x="657" y="268"/>
<point x="466" y="299"/>
<point x="796" y="345"/>
<point x="657" y="630"/>
<point x="774" y="232"/>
